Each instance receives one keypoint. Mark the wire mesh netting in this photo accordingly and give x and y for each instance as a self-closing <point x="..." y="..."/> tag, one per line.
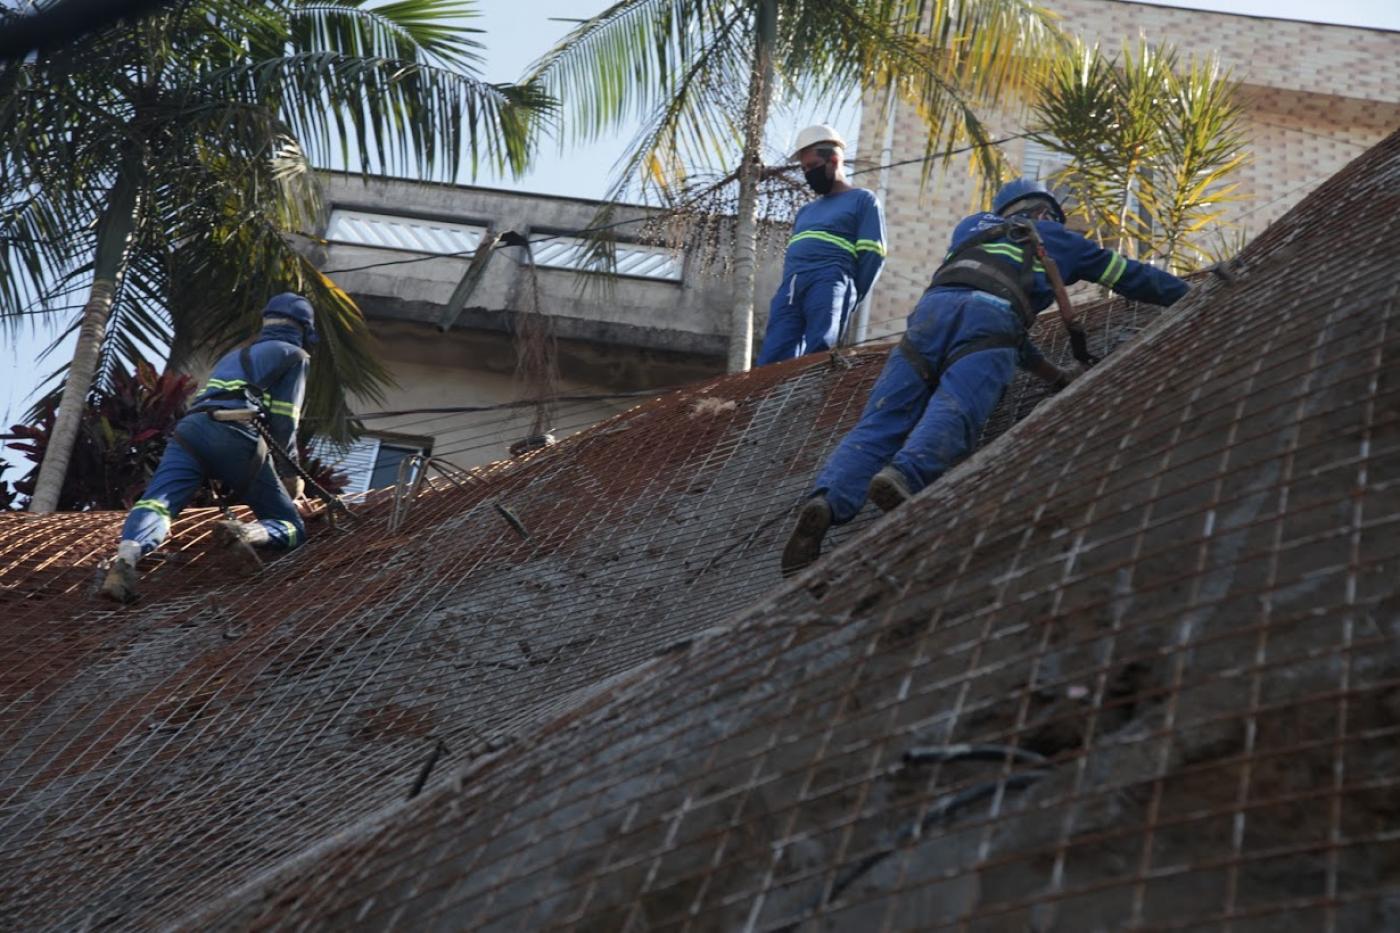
<point x="1131" y="666"/>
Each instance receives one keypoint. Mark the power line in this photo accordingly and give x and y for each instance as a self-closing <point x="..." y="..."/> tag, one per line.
<point x="520" y="403"/>
<point x="468" y="254"/>
<point x="1299" y="129"/>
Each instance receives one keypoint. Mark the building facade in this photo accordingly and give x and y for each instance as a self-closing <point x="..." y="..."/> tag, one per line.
<point x="402" y="248"/>
<point x="1316" y="96"/>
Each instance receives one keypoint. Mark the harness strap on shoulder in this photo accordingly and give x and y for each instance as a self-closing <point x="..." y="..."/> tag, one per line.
<point x="970" y="266"/>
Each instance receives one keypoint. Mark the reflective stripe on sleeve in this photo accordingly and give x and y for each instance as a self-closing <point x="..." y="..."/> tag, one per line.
<point x="1113" y="271"/>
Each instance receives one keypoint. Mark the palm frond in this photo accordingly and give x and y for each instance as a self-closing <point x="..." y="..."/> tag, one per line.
<point x="405" y="30"/>
<point x="628" y="60"/>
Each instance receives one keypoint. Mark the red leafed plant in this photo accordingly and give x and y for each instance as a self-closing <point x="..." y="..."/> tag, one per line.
<point x="9" y="496"/>
<point x="120" y="441"/>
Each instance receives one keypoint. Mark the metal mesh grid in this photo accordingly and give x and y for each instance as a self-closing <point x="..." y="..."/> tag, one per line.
<point x="1132" y="666"/>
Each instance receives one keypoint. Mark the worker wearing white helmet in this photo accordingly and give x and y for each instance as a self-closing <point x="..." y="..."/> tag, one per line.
<point x="833" y="257"/>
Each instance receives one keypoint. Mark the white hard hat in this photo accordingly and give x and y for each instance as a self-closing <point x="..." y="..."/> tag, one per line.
<point x="820" y="133"/>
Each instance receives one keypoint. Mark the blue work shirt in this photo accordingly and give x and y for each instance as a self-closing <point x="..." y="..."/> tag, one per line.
<point x="274" y="347"/>
<point x="842" y="233"/>
<point x="1080" y="260"/>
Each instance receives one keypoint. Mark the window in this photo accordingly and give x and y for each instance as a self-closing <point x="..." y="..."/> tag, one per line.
<point x="645" y="262"/>
<point x="372" y="462"/>
<point x="1040" y="162"/>
<point x="387" y="231"/>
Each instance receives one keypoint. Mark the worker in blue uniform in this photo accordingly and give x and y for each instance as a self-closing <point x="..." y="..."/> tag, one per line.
<point x="967" y="335"/>
<point x="215" y="440"/>
<point x="833" y="257"/>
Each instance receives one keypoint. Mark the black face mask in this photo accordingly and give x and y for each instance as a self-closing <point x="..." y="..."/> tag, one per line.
<point x="818" y="179"/>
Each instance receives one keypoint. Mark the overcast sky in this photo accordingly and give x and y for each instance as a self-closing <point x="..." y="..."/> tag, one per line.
<point x="518" y="31"/>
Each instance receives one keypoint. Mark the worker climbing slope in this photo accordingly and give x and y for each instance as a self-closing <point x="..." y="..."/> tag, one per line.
<point x="833" y="257"/>
<point x="216" y="440"/>
<point x="963" y="342"/>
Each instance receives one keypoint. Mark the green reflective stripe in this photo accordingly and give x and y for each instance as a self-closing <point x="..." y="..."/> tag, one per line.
<point x="825" y="237"/>
<point x="874" y="246"/>
<point x="152" y="505"/>
<point x="1113" y="271"/>
<point x="1010" y="252"/>
<point x="224" y="385"/>
<point x="291" y="531"/>
<point x="282" y="408"/>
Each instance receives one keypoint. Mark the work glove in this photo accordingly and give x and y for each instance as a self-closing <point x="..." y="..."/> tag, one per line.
<point x="294" y="485"/>
<point x="1079" y="346"/>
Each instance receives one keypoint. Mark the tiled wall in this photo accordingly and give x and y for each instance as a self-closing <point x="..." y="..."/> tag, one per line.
<point x="1317" y="97"/>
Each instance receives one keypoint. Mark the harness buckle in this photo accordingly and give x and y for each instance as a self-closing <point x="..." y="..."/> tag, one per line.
<point x="233" y="414"/>
<point x="1020" y="230"/>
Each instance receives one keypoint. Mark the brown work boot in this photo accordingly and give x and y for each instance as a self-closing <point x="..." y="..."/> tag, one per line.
<point x="805" y="545"/>
<point x="233" y="537"/>
<point x="119" y="583"/>
<point x="889" y="490"/>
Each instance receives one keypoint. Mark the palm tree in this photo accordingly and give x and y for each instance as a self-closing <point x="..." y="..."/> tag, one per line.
<point x="704" y="75"/>
<point x="1149" y="146"/>
<point x="159" y="167"/>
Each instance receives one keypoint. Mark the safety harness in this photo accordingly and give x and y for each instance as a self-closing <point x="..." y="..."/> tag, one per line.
<point x="256" y="393"/>
<point x="978" y="262"/>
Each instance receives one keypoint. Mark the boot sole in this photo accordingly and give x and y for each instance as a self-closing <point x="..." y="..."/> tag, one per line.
<point x="246" y="559"/>
<point x="117" y="588"/>
<point x="805" y="545"/>
<point x="887" y="494"/>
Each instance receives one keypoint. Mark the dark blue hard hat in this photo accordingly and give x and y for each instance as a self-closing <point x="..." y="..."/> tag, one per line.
<point x="1022" y="189"/>
<point x="291" y="305"/>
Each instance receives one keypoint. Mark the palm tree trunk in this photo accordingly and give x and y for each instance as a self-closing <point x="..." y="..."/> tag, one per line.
<point x="750" y="172"/>
<point x="113" y="239"/>
<point x="1126" y="244"/>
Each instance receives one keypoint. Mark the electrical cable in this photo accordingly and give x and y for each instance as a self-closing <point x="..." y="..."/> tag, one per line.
<point x="467" y="254"/>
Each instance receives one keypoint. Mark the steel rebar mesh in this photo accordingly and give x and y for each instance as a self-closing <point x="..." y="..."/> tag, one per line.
<point x="1133" y="665"/>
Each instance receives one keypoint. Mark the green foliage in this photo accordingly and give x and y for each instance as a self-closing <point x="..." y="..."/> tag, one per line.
<point x="212" y="112"/>
<point x="120" y="441"/>
<point x="684" y="67"/>
<point x="1151" y="146"/>
<point x="123" y="434"/>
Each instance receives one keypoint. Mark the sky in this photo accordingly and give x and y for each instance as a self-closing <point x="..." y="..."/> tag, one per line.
<point x="516" y="33"/>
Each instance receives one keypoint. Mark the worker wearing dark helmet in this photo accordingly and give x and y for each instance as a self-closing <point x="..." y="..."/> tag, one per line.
<point x="216" y="441"/>
<point x="962" y="345"/>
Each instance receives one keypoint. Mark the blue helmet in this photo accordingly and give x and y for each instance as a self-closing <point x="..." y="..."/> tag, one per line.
<point x="291" y="305"/>
<point x="1022" y="189"/>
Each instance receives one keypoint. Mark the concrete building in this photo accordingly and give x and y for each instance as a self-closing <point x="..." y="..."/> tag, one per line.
<point x="1317" y="96"/>
<point x="401" y="247"/>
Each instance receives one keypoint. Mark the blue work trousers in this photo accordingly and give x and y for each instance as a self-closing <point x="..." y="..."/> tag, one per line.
<point x="807" y="315"/>
<point x="229" y="452"/>
<point x="922" y="431"/>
